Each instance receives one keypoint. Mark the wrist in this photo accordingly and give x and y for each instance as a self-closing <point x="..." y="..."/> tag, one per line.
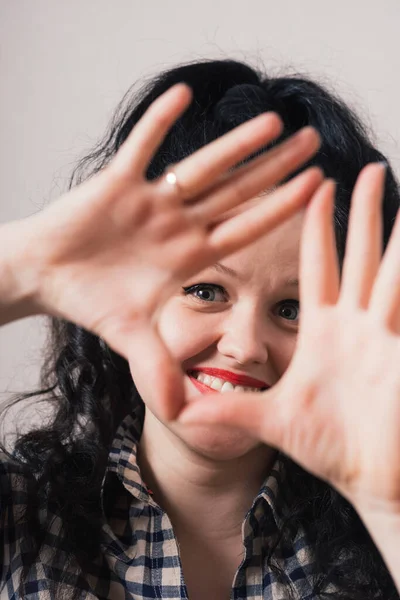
<point x="19" y="272"/>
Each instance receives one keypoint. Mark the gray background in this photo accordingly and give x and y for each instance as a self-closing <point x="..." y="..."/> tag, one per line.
<point x="65" y="65"/>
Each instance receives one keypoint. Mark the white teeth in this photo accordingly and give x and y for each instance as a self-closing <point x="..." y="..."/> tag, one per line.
<point x="221" y="385"/>
<point x="217" y="384"/>
<point x="227" y="387"/>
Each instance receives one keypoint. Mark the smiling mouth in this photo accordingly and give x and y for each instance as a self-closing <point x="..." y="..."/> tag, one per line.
<point x="206" y="383"/>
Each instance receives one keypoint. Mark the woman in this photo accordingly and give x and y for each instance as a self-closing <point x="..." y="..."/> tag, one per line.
<point x="171" y="284"/>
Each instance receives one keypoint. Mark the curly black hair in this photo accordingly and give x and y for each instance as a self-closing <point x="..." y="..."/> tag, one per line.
<point x="83" y="379"/>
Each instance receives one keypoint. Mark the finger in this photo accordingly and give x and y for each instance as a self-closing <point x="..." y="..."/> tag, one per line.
<point x="364" y="240"/>
<point x="136" y="152"/>
<point x="319" y="271"/>
<point x="254" y="413"/>
<point x="158" y="373"/>
<point x="247" y="226"/>
<point x="199" y="171"/>
<point x="262" y="173"/>
<point x="385" y="298"/>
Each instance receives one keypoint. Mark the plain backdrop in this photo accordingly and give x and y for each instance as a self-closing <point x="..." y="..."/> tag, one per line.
<point x="65" y="65"/>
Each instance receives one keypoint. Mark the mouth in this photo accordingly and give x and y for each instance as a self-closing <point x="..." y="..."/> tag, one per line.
<point x="218" y="380"/>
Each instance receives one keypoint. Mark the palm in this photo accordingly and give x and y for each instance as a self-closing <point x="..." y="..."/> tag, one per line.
<point x="344" y="414"/>
<point x="121" y="265"/>
<point x="116" y="247"/>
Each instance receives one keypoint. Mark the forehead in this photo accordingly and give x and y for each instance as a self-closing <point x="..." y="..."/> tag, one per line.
<point x="283" y="241"/>
<point x="272" y="259"/>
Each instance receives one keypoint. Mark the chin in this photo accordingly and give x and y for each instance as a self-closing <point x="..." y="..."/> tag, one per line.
<point x="216" y="442"/>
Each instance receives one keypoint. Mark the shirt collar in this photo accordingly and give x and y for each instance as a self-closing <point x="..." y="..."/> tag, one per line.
<point x="122" y="461"/>
<point x="269" y="489"/>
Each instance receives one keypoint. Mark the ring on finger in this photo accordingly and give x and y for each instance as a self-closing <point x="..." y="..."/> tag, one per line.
<point x="171" y="178"/>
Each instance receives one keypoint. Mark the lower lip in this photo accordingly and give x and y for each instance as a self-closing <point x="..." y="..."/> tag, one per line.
<point x="204" y="389"/>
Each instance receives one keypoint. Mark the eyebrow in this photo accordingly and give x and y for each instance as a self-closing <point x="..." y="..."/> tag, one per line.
<point x="291" y="282"/>
<point x="223" y="269"/>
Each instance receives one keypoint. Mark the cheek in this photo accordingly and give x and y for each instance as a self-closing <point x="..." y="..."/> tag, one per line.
<point x="283" y="352"/>
<point x="186" y="332"/>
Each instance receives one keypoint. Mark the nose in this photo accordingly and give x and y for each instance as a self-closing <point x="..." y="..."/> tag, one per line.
<point x="244" y="337"/>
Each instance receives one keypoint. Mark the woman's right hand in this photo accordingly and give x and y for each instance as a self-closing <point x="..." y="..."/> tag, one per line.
<point x="110" y="252"/>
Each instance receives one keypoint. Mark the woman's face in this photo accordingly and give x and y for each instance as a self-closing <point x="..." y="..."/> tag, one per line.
<point x="234" y="320"/>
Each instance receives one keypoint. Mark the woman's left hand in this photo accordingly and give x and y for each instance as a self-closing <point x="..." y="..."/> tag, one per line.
<point x="336" y="411"/>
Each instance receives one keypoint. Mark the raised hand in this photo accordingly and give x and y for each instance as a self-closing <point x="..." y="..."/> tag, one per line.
<point x="114" y="249"/>
<point x="336" y="411"/>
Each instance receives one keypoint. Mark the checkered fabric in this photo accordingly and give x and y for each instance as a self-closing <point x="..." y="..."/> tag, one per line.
<point x="139" y="551"/>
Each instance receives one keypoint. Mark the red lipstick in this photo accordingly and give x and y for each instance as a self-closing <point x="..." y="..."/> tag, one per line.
<point x="233" y="378"/>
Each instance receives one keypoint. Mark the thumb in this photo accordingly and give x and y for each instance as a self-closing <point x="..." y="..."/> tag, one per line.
<point x="152" y="367"/>
<point x="259" y="414"/>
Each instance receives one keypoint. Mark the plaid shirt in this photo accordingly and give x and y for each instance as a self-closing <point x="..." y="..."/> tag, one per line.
<point x="139" y="551"/>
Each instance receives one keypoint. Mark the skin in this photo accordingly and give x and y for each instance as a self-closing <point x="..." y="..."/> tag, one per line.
<point x="336" y="410"/>
<point x="192" y="467"/>
<point x="241" y="332"/>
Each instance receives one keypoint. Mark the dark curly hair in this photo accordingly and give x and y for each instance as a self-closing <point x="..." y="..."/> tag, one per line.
<point x="82" y="378"/>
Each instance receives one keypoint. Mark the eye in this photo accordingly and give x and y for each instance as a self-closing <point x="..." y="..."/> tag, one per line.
<point x="206" y="292"/>
<point x="289" y="310"/>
